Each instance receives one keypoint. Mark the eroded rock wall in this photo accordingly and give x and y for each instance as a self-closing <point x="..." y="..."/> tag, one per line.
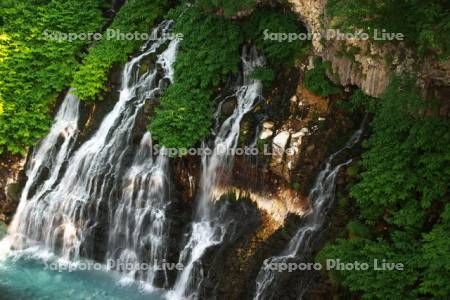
<point x="365" y="64"/>
<point x="11" y="181"/>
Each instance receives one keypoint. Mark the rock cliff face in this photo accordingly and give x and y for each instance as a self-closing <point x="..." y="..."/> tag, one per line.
<point x="366" y="65"/>
<point x="10" y="185"/>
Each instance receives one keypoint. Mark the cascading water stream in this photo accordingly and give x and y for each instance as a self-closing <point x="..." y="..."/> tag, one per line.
<point x="49" y="155"/>
<point x="322" y="197"/>
<point x="207" y="230"/>
<point x="110" y="192"/>
<point x="139" y="229"/>
<point x="99" y="198"/>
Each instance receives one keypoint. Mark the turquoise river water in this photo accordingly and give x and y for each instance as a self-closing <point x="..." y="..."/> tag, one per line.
<point x="30" y="278"/>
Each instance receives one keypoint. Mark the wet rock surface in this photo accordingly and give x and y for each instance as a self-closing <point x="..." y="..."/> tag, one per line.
<point x="299" y="128"/>
<point x="368" y="69"/>
<point x="12" y="178"/>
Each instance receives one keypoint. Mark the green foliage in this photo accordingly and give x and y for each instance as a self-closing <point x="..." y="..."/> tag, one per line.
<point x="208" y="53"/>
<point x="183" y="117"/>
<point x="264" y="21"/>
<point x="436" y="258"/>
<point x="372" y="283"/>
<point x="359" y="102"/>
<point x="296" y="186"/>
<point x="265" y="74"/>
<point x="229" y="7"/>
<point x="406" y="160"/>
<point x="316" y="80"/>
<point x="134" y="16"/>
<point x="34" y="71"/>
<point x="356" y="229"/>
<point x="262" y="144"/>
<point x="33" y="68"/>
<point x="403" y="198"/>
<point x="425" y="24"/>
<point x="353" y="170"/>
<point x="343" y="202"/>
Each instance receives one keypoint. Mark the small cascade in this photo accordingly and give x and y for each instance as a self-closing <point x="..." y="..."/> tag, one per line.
<point x="322" y="197"/>
<point x="49" y="156"/>
<point x="103" y="203"/>
<point x="207" y="229"/>
<point x="138" y="232"/>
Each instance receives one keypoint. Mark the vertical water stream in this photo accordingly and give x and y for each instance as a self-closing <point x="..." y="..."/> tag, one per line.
<point x="207" y="230"/>
<point x="100" y="199"/>
<point x="322" y="197"/>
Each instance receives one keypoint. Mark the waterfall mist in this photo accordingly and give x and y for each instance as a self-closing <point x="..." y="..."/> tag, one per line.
<point x="102" y="204"/>
<point x="208" y="229"/>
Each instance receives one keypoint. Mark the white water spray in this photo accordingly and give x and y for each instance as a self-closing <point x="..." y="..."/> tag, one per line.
<point x="207" y="230"/>
<point x="49" y="156"/>
<point x="85" y="199"/>
<point x="138" y="231"/>
<point x="322" y="197"/>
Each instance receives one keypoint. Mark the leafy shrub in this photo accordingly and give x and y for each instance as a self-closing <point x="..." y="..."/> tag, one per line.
<point x="359" y="102"/>
<point x="407" y="153"/>
<point x="352" y="171"/>
<point x="425" y="24"/>
<point x="33" y="69"/>
<point x="316" y="80"/>
<point x="356" y="229"/>
<point x="403" y="198"/>
<point x="264" y="21"/>
<point x="183" y="117"/>
<point x="265" y="74"/>
<point x="372" y="284"/>
<point x="134" y="16"/>
<point x="229" y="7"/>
<point x="296" y="186"/>
<point x="208" y="53"/>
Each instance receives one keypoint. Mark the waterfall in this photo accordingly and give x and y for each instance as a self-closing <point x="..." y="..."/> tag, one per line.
<point x="49" y="156"/>
<point x="207" y="230"/>
<point x="138" y="232"/>
<point x="95" y="196"/>
<point x="322" y="196"/>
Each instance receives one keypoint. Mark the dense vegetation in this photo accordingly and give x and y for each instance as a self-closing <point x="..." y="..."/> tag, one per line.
<point x="402" y="200"/>
<point x="400" y="203"/>
<point x="208" y="55"/>
<point x="317" y="80"/>
<point x="33" y="68"/>
<point x="425" y="23"/>
<point x="277" y="53"/>
<point x="135" y="16"/>
<point x="228" y="7"/>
